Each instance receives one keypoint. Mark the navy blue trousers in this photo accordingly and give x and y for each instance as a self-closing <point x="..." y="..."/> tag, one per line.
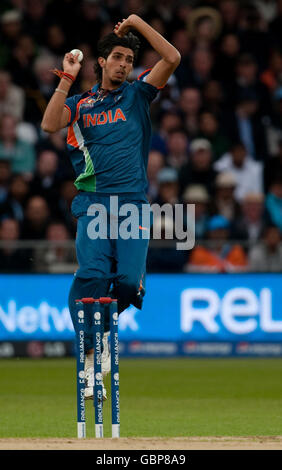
<point x="107" y="266"/>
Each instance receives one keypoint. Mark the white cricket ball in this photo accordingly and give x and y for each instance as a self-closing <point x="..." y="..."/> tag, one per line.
<point x="77" y="51"/>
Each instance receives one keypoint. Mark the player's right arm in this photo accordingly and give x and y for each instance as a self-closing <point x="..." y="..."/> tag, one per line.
<point x="56" y="115"/>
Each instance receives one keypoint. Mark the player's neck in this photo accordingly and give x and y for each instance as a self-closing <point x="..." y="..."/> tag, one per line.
<point x="108" y="85"/>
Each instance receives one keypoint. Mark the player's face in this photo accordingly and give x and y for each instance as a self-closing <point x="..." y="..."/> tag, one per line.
<point x="118" y="65"/>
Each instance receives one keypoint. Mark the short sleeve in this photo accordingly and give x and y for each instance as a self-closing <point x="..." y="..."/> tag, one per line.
<point x="148" y="91"/>
<point x="71" y="105"/>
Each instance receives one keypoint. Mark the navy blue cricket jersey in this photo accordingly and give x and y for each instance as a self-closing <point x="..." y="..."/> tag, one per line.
<point x="109" y="139"/>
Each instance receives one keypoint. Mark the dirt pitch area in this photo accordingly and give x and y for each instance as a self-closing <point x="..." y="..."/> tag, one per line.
<point x="177" y="443"/>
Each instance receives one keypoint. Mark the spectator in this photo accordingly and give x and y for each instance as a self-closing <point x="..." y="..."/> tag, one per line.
<point x="247" y="172"/>
<point x="69" y="24"/>
<point x="202" y="62"/>
<point x="168" y="186"/>
<point x="199" y="197"/>
<point x="199" y="168"/>
<point x="226" y="61"/>
<point x="272" y="76"/>
<point x="177" y="145"/>
<point x="11" y="97"/>
<point x="12" y="259"/>
<point x="45" y="79"/>
<point x="267" y="9"/>
<point x="21" y="62"/>
<point x="56" y="40"/>
<point x="210" y="130"/>
<point x="181" y="15"/>
<point x="180" y="39"/>
<point x="27" y="132"/>
<point x="190" y="103"/>
<point x="224" y="202"/>
<point x="204" y="25"/>
<point x="156" y="162"/>
<point x="275" y="27"/>
<point x="266" y="256"/>
<point x="254" y="36"/>
<point x="107" y="28"/>
<point x="159" y="24"/>
<point x="45" y="181"/>
<point x="230" y="12"/>
<point x="161" y="9"/>
<point x="277" y="110"/>
<point x="56" y="142"/>
<point x="164" y="259"/>
<point x="222" y="256"/>
<point x="39" y="96"/>
<point x="213" y="97"/>
<point x="37" y="215"/>
<point x="21" y="154"/>
<point x="35" y="19"/>
<point x="5" y="176"/>
<point x="249" y="226"/>
<point x="11" y="27"/>
<point x="13" y="204"/>
<point x="274" y="203"/>
<point x="58" y="257"/>
<point x="68" y="192"/>
<point x="245" y="124"/>
<point x="273" y="168"/>
<point x="91" y="16"/>
<point x="247" y="84"/>
<point x="169" y="121"/>
<point x="113" y="10"/>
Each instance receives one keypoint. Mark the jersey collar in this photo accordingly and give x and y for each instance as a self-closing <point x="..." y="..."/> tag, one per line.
<point x="96" y="87"/>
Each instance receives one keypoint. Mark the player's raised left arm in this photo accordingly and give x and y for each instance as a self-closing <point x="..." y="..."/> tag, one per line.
<point x="170" y="60"/>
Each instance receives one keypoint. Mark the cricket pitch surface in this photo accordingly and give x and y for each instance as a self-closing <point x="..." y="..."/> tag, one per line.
<point x="177" y="443"/>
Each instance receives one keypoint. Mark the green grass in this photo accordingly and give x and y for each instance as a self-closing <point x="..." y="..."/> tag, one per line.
<point x="166" y="397"/>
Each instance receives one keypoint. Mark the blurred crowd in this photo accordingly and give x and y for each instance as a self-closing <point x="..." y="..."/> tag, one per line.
<point x="217" y="136"/>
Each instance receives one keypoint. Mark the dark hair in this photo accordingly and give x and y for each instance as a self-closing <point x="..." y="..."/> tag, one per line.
<point x="236" y="144"/>
<point x="107" y="44"/>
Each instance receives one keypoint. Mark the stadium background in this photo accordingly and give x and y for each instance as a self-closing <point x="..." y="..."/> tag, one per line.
<point x="217" y="143"/>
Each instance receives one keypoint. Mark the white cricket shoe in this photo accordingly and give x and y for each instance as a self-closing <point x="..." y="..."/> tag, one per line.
<point x="89" y="378"/>
<point x="106" y="355"/>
